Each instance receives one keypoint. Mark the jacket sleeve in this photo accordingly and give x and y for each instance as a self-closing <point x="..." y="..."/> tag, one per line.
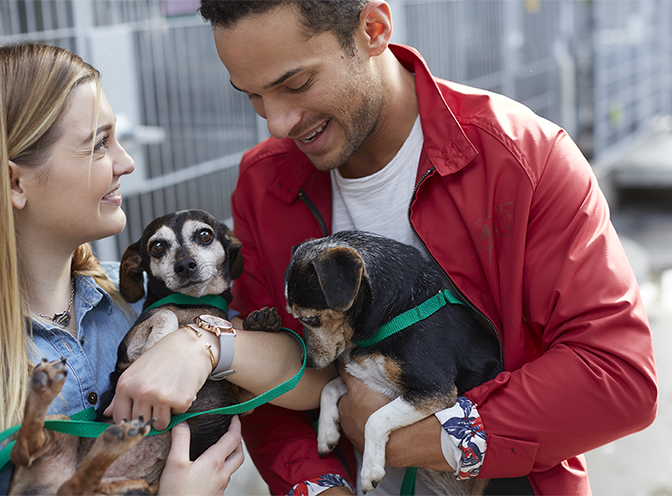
<point x="281" y="442"/>
<point x="594" y="380"/>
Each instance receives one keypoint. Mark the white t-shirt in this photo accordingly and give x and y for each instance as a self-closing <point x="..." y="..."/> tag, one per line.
<point x="379" y="203"/>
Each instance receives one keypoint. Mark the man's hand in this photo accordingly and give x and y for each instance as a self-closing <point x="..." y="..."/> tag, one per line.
<point x="416" y="445"/>
<point x="356" y="406"/>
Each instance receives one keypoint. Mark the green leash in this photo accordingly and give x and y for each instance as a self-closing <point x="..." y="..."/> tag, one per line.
<point x="83" y="423"/>
<point x="399" y="323"/>
<point x="182" y="299"/>
<point x="410" y="317"/>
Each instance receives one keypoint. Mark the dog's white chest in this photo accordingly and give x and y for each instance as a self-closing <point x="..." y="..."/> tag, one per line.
<point x="375" y="372"/>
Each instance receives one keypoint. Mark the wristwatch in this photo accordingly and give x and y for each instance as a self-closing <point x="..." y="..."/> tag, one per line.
<point x="224" y="330"/>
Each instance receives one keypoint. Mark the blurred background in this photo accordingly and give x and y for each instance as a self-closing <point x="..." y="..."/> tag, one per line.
<point x="599" y="68"/>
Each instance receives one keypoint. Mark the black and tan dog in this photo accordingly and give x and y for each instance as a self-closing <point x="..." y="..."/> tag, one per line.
<point x="187" y="252"/>
<point x="342" y="289"/>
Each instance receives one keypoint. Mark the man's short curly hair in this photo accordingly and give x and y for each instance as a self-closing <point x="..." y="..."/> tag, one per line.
<point x="340" y="17"/>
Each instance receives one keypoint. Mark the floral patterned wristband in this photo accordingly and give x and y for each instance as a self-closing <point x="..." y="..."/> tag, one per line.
<point x="465" y="429"/>
<point x="316" y="485"/>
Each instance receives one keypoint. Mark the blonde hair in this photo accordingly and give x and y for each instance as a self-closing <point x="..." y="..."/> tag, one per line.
<point x="36" y="82"/>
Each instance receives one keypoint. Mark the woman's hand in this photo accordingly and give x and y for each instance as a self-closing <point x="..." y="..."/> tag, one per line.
<point x="165" y="379"/>
<point x="209" y="473"/>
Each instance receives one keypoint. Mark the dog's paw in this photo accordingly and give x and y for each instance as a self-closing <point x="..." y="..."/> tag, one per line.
<point x="328" y="429"/>
<point x="371" y="476"/>
<point x="327" y="436"/>
<point x="373" y="461"/>
<point x="122" y="436"/>
<point x="47" y="378"/>
<point x="265" y="319"/>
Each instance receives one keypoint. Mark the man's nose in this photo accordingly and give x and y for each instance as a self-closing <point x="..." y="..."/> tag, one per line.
<point x="281" y="117"/>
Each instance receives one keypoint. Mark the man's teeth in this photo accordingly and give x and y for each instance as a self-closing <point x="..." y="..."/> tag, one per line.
<point x="314" y="135"/>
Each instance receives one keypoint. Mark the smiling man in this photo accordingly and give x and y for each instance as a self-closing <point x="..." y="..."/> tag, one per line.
<point x="364" y="137"/>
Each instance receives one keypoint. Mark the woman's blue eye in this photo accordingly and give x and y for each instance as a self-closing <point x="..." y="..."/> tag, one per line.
<point x="102" y="143"/>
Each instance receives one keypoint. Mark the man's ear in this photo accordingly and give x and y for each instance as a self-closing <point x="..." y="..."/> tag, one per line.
<point x="16" y="179"/>
<point x="376" y="19"/>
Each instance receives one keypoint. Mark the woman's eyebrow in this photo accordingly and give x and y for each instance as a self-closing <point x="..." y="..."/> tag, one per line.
<point x="101" y="129"/>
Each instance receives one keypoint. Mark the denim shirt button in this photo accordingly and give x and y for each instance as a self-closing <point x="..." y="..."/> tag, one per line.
<point x="92" y="397"/>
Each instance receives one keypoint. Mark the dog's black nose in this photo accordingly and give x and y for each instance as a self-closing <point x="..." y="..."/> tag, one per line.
<point x="185" y="267"/>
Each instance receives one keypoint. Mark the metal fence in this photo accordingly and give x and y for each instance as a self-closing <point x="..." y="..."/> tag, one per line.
<point x="508" y="47"/>
<point x="632" y="48"/>
<point x="600" y="68"/>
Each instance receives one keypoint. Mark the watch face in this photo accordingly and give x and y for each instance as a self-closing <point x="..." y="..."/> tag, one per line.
<point x="213" y="321"/>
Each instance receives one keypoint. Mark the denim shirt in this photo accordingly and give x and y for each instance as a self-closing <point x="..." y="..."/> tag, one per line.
<point x="91" y="356"/>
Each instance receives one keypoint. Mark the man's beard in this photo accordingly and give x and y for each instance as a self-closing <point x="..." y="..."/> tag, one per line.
<point x="357" y="124"/>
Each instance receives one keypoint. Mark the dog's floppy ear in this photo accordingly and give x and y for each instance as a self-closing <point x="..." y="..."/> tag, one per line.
<point x="233" y="251"/>
<point x="131" y="277"/>
<point x="339" y="271"/>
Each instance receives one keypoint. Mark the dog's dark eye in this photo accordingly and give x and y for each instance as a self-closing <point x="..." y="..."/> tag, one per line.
<point x="157" y="249"/>
<point x="310" y="321"/>
<point x="205" y="236"/>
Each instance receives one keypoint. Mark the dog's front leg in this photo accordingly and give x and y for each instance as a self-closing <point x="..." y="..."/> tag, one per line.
<point x="329" y="429"/>
<point x="46" y="382"/>
<point x="395" y="414"/>
<point x="110" y="445"/>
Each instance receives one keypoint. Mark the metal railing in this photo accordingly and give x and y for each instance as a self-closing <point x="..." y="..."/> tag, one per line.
<point x="632" y="47"/>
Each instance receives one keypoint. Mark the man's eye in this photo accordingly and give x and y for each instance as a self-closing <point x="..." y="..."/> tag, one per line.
<point x="303" y="87"/>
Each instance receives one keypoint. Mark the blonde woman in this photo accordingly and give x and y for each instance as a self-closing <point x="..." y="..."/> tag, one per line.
<point x="61" y="166"/>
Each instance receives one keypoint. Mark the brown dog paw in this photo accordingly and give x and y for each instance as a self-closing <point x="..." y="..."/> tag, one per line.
<point x="47" y="379"/>
<point x="110" y="445"/>
<point x="126" y="434"/>
<point x="265" y="319"/>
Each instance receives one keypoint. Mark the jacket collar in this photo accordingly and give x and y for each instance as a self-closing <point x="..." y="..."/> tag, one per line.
<point x="294" y="172"/>
<point x="447" y="147"/>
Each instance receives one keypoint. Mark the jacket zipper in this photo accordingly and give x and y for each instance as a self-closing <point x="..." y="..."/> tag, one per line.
<point x="482" y="317"/>
<point x="311" y="206"/>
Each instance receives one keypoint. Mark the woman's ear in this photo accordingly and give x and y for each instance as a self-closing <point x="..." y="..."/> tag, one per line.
<point x="16" y="179"/>
<point x="376" y="19"/>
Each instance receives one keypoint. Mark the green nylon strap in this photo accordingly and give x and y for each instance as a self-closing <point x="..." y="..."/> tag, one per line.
<point x="182" y="299"/>
<point x="83" y="423"/>
<point x="399" y="323"/>
<point x="410" y="317"/>
<point x="408" y="484"/>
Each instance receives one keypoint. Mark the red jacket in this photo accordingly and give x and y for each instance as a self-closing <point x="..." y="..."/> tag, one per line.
<point x="510" y="209"/>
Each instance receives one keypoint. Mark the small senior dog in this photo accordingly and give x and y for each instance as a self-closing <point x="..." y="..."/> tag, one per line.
<point x="188" y="252"/>
<point x="343" y="288"/>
